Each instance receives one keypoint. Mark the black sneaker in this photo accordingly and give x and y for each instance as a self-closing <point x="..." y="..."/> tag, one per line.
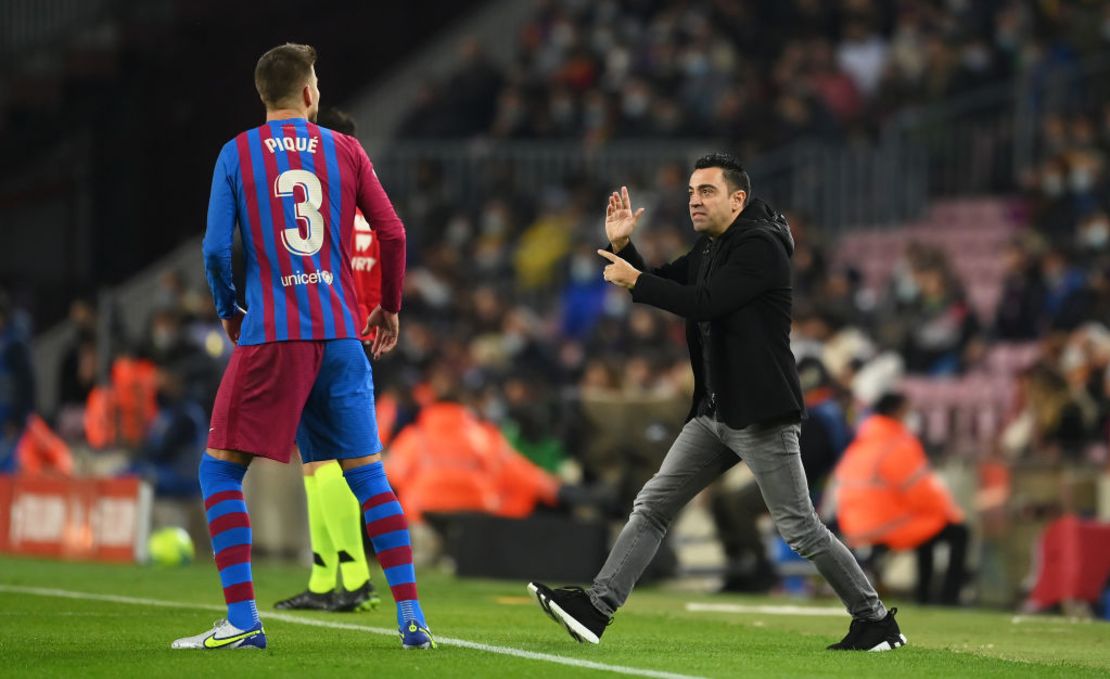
<point x="307" y="601"/>
<point x="364" y="598"/>
<point x="571" y="607"/>
<point x="872" y="635"/>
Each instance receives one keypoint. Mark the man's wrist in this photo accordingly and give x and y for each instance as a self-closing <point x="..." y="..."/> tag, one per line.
<point x="619" y="244"/>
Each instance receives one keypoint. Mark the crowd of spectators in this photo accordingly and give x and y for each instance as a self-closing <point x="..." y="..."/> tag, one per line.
<point x="757" y="75"/>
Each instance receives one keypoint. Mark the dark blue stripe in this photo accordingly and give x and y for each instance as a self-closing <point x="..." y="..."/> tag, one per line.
<point x="335" y="200"/>
<point x="262" y="189"/>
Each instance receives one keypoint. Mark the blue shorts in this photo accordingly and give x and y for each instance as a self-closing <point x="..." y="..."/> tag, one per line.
<point x="338" y="420"/>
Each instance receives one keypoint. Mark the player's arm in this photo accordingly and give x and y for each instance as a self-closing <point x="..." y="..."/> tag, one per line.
<point x="371" y="198"/>
<point x="217" y="248"/>
<point x="677" y="271"/>
<point x="754" y="269"/>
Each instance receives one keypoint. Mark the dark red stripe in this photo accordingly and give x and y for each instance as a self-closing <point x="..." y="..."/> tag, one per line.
<point x="379" y="499"/>
<point x="405" y="592"/>
<point x="229" y="521"/>
<point x="315" y="314"/>
<point x="244" y="591"/>
<point x="216" y="498"/>
<point x="347" y="206"/>
<point x="285" y="258"/>
<point x="386" y="525"/>
<point x="258" y="243"/>
<point x="321" y="162"/>
<point x="398" y="556"/>
<point x="233" y="555"/>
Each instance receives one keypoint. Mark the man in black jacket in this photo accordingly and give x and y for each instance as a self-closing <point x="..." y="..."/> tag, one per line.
<point x="733" y="288"/>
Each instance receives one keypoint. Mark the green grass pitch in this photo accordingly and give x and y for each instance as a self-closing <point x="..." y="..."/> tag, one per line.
<point x="84" y="620"/>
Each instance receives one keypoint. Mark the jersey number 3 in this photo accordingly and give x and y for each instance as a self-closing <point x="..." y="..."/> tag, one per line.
<point x="308" y="211"/>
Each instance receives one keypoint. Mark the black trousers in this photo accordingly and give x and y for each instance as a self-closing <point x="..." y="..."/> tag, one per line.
<point x="955" y="536"/>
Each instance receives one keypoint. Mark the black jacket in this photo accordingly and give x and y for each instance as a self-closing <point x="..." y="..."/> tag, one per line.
<point x="747" y="299"/>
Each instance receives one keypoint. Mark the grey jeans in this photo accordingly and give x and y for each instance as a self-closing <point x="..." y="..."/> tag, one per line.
<point x="705" y="449"/>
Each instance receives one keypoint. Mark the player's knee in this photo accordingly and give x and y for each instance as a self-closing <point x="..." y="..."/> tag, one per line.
<point x="356" y="462"/>
<point x="233" y="456"/>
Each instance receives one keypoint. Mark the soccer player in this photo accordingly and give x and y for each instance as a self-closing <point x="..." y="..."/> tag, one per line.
<point x="334" y="515"/>
<point x="733" y="289"/>
<point x="291" y="187"/>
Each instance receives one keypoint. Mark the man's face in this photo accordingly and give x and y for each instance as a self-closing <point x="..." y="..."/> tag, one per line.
<point x="314" y="96"/>
<point x="713" y="204"/>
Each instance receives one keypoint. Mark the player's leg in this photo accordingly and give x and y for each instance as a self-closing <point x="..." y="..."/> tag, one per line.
<point x="221" y="486"/>
<point x="320" y="594"/>
<point x="339" y="422"/>
<point x="695" y="459"/>
<point x="388" y="530"/>
<point x="773" y="453"/>
<point x="257" y="407"/>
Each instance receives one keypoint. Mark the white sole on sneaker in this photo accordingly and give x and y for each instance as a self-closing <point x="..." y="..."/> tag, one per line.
<point x="577" y="630"/>
<point x="887" y="646"/>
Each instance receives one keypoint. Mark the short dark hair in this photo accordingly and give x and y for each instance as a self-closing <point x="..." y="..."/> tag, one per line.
<point x="889" y="403"/>
<point x="335" y="119"/>
<point x="282" y="72"/>
<point x="735" y="174"/>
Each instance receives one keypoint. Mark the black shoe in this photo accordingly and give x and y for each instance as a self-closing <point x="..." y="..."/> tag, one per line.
<point x="307" y="601"/>
<point x="872" y="635"/>
<point x="364" y="598"/>
<point x="571" y="607"/>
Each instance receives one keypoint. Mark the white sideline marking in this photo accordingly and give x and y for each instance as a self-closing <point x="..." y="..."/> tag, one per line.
<point x="818" y="611"/>
<point x="285" y="617"/>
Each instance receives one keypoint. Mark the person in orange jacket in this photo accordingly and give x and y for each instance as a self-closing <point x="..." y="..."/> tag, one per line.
<point x="888" y="495"/>
<point x="450" y="461"/>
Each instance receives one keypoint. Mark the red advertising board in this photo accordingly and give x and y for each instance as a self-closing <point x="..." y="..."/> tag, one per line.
<point x="67" y="518"/>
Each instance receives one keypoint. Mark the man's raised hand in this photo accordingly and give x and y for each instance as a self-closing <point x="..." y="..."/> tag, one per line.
<point x="620" y="220"/>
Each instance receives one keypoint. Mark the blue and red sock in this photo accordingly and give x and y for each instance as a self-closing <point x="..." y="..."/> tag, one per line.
<point x="221" y="484"/>
<point x="389" y="533"/>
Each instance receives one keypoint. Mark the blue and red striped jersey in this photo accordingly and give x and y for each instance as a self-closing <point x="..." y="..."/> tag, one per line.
<point x="291" y="187"/>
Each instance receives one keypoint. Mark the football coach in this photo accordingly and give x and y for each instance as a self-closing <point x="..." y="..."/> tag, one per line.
<point x="734" y="290"/>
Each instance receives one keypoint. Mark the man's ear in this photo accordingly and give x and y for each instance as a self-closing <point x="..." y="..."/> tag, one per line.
<point x="306" y="95"/>
<point x="741" y="198"/>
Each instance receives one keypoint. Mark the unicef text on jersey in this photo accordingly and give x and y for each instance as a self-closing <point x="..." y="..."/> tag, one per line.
<point x="301" y="278"/>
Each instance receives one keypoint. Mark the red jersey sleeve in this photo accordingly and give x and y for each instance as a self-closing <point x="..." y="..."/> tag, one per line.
<point x="388" y="229"/>
<point x="367" y="271"/>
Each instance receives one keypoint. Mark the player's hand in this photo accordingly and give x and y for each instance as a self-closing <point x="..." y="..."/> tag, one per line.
<point x="620" y="220"/>
<point x="233" y="325"/>
<point x="388" y="329"/>
<point x="619" y="272"/>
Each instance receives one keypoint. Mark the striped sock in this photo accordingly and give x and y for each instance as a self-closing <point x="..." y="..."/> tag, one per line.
<point x="221" y="484"/>
<point x="389" y="534"/>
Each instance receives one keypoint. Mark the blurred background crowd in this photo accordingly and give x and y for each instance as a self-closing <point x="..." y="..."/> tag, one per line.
<point x="990" y="312"/>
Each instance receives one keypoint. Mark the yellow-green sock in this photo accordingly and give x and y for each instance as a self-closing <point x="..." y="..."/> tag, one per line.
<point x="344" y="518"/>
<point x="325" y="560"/>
